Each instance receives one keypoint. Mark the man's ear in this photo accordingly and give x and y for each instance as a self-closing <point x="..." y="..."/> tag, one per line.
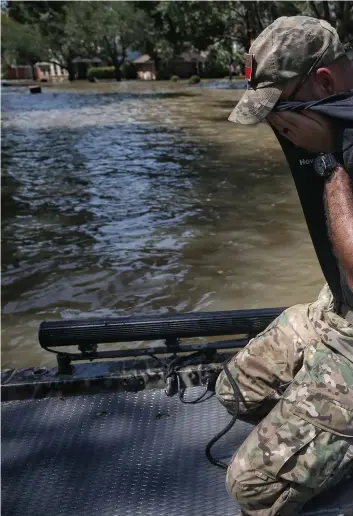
<point x="324" y="82"/>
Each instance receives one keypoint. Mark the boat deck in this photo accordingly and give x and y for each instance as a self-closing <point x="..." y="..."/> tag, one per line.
<point x="123" y="454"/>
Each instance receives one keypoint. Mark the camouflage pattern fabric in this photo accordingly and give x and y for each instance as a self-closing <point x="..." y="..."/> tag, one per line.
<point x="287" y="48"/>
<point x="293" y="373"/>
<point x="290" y="46"/>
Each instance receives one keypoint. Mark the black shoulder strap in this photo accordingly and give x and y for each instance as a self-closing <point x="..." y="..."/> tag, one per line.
<point x="310" y="189"/>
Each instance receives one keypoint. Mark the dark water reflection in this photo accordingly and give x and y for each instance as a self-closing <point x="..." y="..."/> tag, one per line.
<point x="138" y="197"/>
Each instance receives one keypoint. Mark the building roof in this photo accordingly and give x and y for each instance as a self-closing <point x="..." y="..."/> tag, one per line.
<point x="131" y="55"/>
<point x="87" y="60"/>
<point x="191" y="55"/>
<point x="143" y="59"/>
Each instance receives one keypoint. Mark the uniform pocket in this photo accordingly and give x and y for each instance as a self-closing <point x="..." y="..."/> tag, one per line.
<point x="328" y="414"/>
<point x="289" y="440"/>
<point x="309" y="446"/>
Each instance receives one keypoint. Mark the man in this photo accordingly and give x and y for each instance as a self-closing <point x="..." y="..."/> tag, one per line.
<point x="231" y="68"/>
<point x="298" y="373"/>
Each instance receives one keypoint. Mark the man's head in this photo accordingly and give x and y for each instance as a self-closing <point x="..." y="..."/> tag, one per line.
<point x="295" y="57"/>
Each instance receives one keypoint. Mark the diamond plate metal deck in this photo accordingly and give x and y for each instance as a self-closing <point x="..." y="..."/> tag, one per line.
<point x="122" y="454"/>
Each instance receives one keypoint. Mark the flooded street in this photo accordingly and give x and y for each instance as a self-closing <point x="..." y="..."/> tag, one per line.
<point x="130" y="198"/>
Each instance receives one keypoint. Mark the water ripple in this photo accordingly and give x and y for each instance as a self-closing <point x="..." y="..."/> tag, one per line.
<point x="122" y="202"/>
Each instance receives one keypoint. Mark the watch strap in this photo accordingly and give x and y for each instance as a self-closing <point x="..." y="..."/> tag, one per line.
<point x="338" y="157"/>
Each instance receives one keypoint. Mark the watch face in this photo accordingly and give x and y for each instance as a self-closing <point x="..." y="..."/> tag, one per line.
<point x="325" y="164"/>
<point x="320" y="165"/>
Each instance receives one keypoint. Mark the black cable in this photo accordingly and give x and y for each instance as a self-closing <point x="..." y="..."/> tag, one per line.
<point x="199" y="399"/>
<point x="172" y="372"/>
<point x="237" y="397"/>
<point x="182" y="358"/>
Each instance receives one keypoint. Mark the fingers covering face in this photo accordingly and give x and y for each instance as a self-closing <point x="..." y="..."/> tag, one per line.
<point x="307" y="130"/>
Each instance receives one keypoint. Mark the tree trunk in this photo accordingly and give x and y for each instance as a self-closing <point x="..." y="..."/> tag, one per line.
<point x="118" y="63"/>
<point x="273" y="11"/>
<point x="258" y="24"/>
<point x="157" y="61"/>
<point x="153" y="53"/>
<point x="71" y="70"/>
<point x="344" y="20"/>
<point x="315" y="9"/>
<point x="33" y="70"/>
<point x="327" y="14"/>
<point x="117" y="72"/>
<point x="248" y="34"/>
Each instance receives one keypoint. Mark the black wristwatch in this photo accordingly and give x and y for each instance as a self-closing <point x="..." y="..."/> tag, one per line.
<point x="326" y="164"/>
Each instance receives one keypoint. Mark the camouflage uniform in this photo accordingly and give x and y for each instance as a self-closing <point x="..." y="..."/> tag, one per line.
<point x="298" y="373"/>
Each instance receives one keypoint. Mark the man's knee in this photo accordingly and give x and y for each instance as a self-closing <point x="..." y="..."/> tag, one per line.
<point x="287" y="460"/>
<point x="225" y="392"/>
<point x="247" y="411"/>
<point x="269" y="362"/>
<point x="259" y="495"/>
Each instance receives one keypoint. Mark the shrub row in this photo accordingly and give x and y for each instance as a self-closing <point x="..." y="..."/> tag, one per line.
<point x="101" y="72"/>
<point x="127" y="70"/>
<point x="194" y="79"/>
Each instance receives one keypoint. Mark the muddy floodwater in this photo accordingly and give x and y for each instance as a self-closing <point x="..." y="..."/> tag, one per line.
<point x="130" y="198"/>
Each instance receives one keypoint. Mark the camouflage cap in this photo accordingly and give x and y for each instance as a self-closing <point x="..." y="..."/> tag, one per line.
<point x="287" y="48"/>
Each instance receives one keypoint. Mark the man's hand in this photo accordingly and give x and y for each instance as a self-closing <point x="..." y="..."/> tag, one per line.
<point x="306" y="130"/>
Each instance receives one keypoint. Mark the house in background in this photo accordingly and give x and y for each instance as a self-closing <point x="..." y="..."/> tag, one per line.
<point x="131" y="55"/>
<point x="52" y="70"/>
<point x="145" y="67"/>
<point x="185" y="65"/>
<point x="189" y="63"/>
<point x="41" y="70"/>
<point x="83" y="64"/>
<point x="17" y="72"/>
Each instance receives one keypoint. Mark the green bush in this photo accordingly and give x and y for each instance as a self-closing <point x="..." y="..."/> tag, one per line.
<point x="101" y="72"/>
<point x="215" y="71"/>
<point x="127" y="71"/>
<point x="217" y="64"/>
<point x="174" y="78"/>
<point x="194" y="79"/>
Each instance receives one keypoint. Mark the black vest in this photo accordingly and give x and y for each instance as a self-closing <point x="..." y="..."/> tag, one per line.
<point x="310" y="186"/>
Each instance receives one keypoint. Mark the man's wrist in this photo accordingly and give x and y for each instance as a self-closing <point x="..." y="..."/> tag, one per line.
<point x="337" y="174"/>
<point x="326" y="163"/>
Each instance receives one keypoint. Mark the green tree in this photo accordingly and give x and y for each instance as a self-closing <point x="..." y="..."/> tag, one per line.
<point x="83" y="29"/>
<point x="251" y="18"/>
<point x="188" y="24"/>
<point x="60" y="27"/>
<point x="29" y="11"/>
<point x="339" y="14"/>
<point x="174" y="27"/>
<point x="62" y="31"/>
<point x="66" y="34"/>
<point x="20" y="43"/>
<point x="114" y="28"/>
